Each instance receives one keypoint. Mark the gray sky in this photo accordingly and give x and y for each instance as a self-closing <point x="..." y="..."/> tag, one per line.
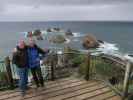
<point x="60" y="10"/>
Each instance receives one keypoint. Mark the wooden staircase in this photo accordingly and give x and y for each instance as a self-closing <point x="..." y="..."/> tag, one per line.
<point x="65" y="89"/>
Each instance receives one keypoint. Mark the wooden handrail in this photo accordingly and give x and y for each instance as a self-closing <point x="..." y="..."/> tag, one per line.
<point x="9" y="71"/>
<point x="126" y="80"/>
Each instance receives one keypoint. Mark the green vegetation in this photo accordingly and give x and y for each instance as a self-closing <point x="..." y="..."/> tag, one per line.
<point x="3" y="77"/>
<point x="2" y="71"/>
<point x="101" y="69"/>
<point x="78" y="59"/>
<point x="74" y="56"/>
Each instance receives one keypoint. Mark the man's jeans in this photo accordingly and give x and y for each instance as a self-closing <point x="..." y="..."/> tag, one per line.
<point x="23" y="78"/>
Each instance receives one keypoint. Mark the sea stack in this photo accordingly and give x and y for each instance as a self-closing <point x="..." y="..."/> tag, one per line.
<point x="90" y="41"/>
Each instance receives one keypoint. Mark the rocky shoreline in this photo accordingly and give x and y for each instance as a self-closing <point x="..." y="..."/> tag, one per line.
<point x="89" y="41"/>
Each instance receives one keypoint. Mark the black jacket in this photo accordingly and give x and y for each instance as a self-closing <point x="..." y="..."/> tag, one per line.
<point x="20" y="58"/>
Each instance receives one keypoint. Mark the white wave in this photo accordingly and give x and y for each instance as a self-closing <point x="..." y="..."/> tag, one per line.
<point x="59" y="52"/>
<point x="77" y="34"/>
<point x="128" y="57"/>
<point x="44" y="32"/>
<point x="113" y="50"/>
<point x="107" y="47"/>
<point x="68" y="40"/>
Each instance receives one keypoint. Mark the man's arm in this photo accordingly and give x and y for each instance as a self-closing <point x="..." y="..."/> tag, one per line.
<point x="15" y="58"/>
<point x="41" y="51"/>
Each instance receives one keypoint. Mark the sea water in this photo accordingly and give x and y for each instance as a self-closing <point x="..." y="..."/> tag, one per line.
<point x="119" y="33"/>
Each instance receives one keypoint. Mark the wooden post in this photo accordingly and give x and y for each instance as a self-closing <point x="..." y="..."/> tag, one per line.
<point x="126" y="80"/>
<point x="52" y="67"/>
<point x="87" y="75"/>
<point x="9" y="72"/>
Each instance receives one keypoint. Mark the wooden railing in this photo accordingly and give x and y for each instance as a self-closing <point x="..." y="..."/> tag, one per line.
<point x="120" y="70"/>
<point x="119" y="81"/>
<point x="6" y="77"/>
<point x="95" y="68"/>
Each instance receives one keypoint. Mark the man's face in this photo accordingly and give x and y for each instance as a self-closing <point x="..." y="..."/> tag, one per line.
<point x="31" y="42"/>
<point x="21" y="44"/>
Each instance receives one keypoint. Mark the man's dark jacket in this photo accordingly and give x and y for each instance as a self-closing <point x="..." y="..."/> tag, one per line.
<point x="20" y="57"/>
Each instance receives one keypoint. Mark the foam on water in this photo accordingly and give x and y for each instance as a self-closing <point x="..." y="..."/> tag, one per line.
<point x="59" y="52"/>
<point x="44" y="32"/>
<point x="108" y="48"/>
<point x="128" y="57"/>
<point x="77" y="34"/>
<point x="112" y="49"/>
<point x="67" y="40"/>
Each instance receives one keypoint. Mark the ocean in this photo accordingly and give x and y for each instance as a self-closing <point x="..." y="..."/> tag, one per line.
<point x="119" y="33"/>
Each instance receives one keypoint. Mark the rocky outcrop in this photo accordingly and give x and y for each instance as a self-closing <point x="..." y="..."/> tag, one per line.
<point x="57" y="39"/>
<point x="49" y="30"/>
<point x="68" y="33"/>
<point x="100" y="41"/>
<point x="89" y="41"/>
<point x="38" y="34"/>
<point x="56" y="29"/>
<point x="53" y="30"/>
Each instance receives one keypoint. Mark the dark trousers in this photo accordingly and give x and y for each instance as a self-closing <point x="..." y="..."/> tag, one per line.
<point x="37" y="76"/>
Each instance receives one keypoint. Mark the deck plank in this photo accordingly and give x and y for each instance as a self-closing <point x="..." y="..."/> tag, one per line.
<point x="90" y="94"/>
<point x="31" y="92"/>
<point x="48" y="83"/>
<point x="115" y="98"/>
<point x="66" y="89"/>
<point x="77" y="93"/>
<point x="103" y="96"/>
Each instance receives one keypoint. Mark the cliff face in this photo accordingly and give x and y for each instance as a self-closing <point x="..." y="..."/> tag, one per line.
<point x="89" y="41"/>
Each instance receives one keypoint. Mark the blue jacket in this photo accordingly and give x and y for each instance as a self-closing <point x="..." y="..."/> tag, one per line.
<point x="33" y="56"/>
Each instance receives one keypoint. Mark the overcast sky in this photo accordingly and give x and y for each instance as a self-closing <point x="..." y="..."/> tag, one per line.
<point x="66" y="10"/>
